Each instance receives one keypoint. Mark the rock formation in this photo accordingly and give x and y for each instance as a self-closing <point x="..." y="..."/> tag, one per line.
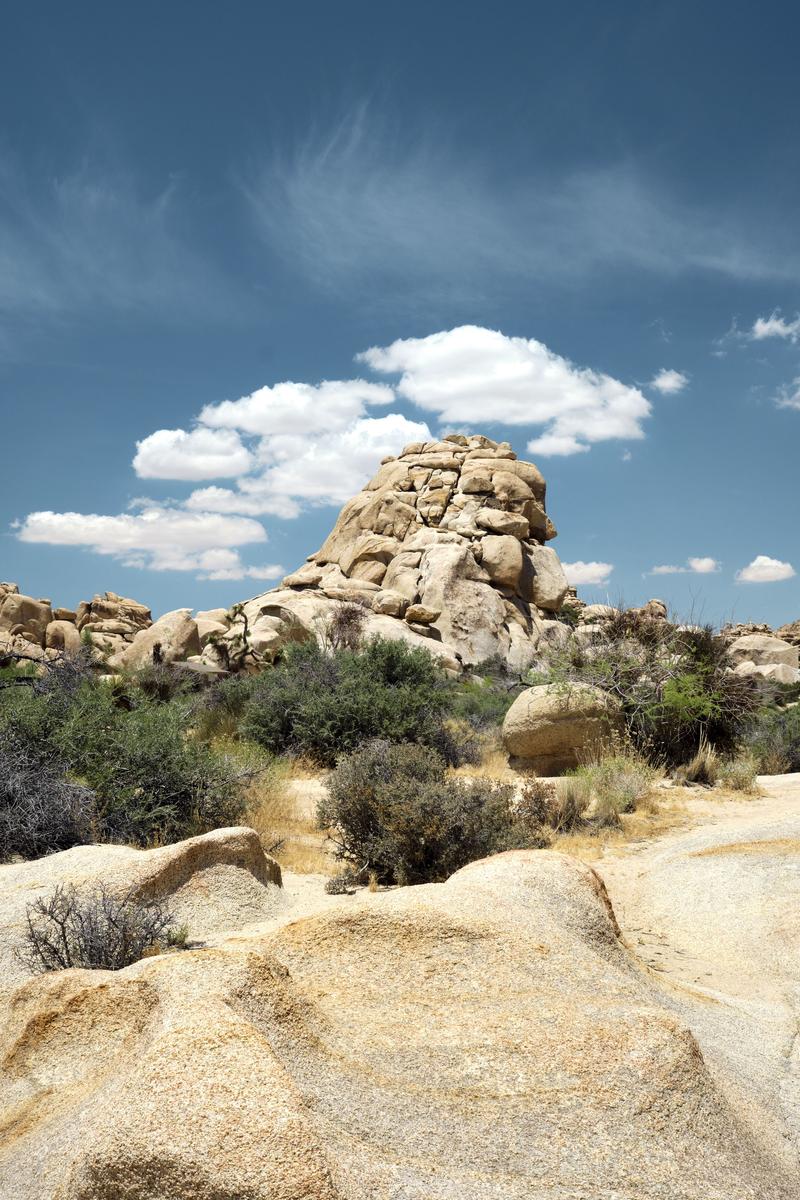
<point x="486" y="1037"/>
<point x="553" y="726"/>
<point x="445" y="547"/>
<point x="766" y="656"/>
<point x="33" y="627"/>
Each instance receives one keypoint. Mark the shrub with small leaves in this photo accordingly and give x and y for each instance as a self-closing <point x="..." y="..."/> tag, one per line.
<point x="41" y="810"/>
<point x="739" y="773"/>
<point x="394" y="810"/>
<point x="338" y="885"/>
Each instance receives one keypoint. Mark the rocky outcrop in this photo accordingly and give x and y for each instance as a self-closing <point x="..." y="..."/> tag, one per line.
<point x="216" y="881"/>
<point x="172" y="638"/>
<point x="766" y="656"/>
<point x="485" y="1037"/>
<point x="554" y="726"/>
<point x="444" y="547"/>
<point x="31" y="627"/>
<point x="790" y="633"/>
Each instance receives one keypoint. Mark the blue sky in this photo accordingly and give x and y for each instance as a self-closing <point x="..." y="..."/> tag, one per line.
<point x="246" y="251"/>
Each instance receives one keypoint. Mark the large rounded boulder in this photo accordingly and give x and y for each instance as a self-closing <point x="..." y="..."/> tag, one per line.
<point x="554" y="726"/>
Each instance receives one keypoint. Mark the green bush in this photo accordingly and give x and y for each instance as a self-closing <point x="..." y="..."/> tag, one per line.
<point x="482" y="703"/>
<point x="674" y="684"/>
<point x="393" y="810"/>
<point x="774" y="740"/>
<point x="127" y="767"/>
<point x="321" y="705"/>
<point x="152" y="781"/>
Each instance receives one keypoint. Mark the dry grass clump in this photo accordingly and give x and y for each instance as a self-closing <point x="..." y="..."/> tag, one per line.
<point x="573" y="795"/>
<point x="282" y="810"/>
<point x="703" y="767"/>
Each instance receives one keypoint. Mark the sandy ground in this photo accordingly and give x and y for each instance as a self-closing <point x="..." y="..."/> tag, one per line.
<point x="714" y="911"/>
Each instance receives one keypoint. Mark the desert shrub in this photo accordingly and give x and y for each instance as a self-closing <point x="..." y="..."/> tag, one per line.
<point x="620" y="779"/>
<point x="153" y="782"/>
<point x="162" y="682"/>
<point x="95" y="930"/>
<point x="219" y="712"/>
<point x="339" y="885"/>
<point x="345" y="628"/>
<point x="119" y="766"/>
<point x="569" y="614"/>
<point x="739" y="773"/>
<point x="393" y="809"/>
<point x="482" y="703"/>
<point x="41" y="811"/>
<point x="674" y="684"/>
<point x="320" y="705"/>
<point x="703" y="767"/>
<point x="774" y="739"/>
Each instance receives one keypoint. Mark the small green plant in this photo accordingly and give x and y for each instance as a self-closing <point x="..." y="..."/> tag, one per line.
<point x="178" y="937"/>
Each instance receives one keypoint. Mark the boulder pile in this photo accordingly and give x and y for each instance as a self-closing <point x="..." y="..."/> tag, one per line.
<point x="34" y="628"/>
<point x="445" y="547"/>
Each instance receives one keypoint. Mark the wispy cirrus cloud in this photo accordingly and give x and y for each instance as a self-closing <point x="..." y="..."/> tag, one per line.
<point x="357" y="204"/>
<point x="789" y="394"/>
<point x="775" y="326"/>
<point x="93" y="240"/>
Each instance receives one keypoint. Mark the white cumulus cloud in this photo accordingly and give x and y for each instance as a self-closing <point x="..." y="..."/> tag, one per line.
<point x="775" y="326"/>
<point x="694" y="566"/>
<point x="159" y="538"/>
<point x="703" y="566"/>
<point x="201" y="454"/>
<point x="471" y="375"/>
<point x="300" y="408"/>
<point x="764" y="569"/>
<point x="597" y="573"/>
<point x="669" y="382"/>
<point x="321" y="469"/>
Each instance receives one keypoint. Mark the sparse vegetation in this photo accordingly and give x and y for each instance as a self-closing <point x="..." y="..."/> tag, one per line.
<point x="703" y="767"/>
<point x="41" y="810"/>
<point x="739" y="773"/>
<point x="774" y="740"/>
<point x="94" y="930"/>
<point x="620" y="779"/>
